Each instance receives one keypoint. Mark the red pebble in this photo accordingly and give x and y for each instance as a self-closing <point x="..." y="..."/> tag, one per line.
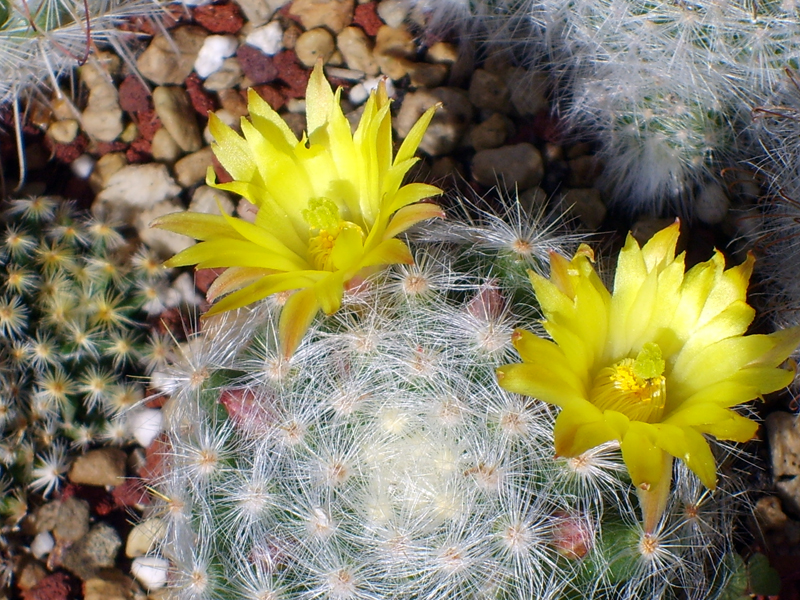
<point x="148" y="123"/>
<point x="547" y="126"/>
<point x="139" y="151"/>
<point x="130" y="494"/>
<point x="203" y="278"/>
<point x="219" y="18"/>
<point x="66" y="153"/>
<point x="366" y="16"/>
<point x="58" y="586"/>
<point x="155" y="400"/>
<point x="103" y="148"/>
<point x="292" y="73"/>
<point x="169" y="16"/>
<point x="133" y="95"/>
<point x="201" y="100"/>
<point x="155" y="455"/>
<point x="271" y="95"/>
<point x="258" y="67"/>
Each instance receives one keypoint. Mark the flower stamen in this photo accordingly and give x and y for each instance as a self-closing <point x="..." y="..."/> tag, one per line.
<point x="634" y="387"/>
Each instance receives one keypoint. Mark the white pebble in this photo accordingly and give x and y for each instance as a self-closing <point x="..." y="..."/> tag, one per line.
<point x="42" y="544"/>
<point x="214" y="51"/>
<point x="145" y="425"/>
<point x="151" y="571"/>
<point x="267" y="38"/>
<point x="82" y="166"/>
<point x="358" y="94"/>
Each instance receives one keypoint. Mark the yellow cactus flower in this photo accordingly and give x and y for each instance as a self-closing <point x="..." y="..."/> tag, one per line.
<point x="329" y="206"/>
<point x="656" y="365"/>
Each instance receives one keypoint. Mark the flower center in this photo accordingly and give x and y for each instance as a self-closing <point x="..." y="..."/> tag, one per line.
<point x="634" y="387"/>
<point x="323" y="215"/>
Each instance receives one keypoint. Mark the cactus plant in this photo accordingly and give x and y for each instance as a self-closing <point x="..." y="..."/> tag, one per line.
<point x="390" y="450"/>
<point x="384" y="461"/>
<point x="73" y="337"/>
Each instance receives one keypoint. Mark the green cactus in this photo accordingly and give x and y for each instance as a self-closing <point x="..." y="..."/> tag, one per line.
<point x="73" y="339"/>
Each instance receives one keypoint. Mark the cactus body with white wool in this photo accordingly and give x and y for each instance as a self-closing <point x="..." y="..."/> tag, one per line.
<point x="383" y="460"/>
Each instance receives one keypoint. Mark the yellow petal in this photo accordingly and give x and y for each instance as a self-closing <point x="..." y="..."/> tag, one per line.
<point x="644" y="459"/>
<point x="722" y="423"/>
<point x="784" y="343"/>
<point x="200" y="226"/>
<point x="686" y="444"/>
<point x="409" y="146"/>
<point x="269" y="123"/>
<point x="534" y="350"/>
<point x="296" y="317"/>
<point x="580" y="428"/>
<point x="329" y="291"/>
<point x="266" y="286"/>
<point x="659" y="250"/>
<point x="223" y="252"/>
<point x="232" y="279"/>
<point x="231" y="150"/>
<point x="388" y="252"/>
<point x="413" y="192"/>
<point x="319" y="101"/>
<point x="409" y="216"/>
<point x="347" y="249"/>
<point x="540" y="382"/>
<point x="265" y="239"/>
<point x="730" y="286"/>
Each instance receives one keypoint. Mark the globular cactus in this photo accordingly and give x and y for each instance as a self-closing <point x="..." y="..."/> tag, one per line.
<point x="666" y="88"/>
<point x="72" y="337"/>
<point x="382" y="460"/>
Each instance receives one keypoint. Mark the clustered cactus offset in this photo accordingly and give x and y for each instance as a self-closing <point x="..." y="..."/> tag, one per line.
<point x="72" y="337"/>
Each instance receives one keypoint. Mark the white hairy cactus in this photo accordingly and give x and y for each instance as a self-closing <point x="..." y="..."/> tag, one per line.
<point x="383" y="461"/>
<point x="666" y="87"/>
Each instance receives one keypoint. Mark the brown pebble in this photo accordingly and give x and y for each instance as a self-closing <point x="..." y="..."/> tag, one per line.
<point x="219" y="18"/>
<point x="366" y="17"/>
<point x="257" y="66"/>
<point x="103" y="148"/>
<point x="234" y="101"/>
<point x="31" y="574"/>
<point x="203" y="278"/>
<point x="133" y="95"/>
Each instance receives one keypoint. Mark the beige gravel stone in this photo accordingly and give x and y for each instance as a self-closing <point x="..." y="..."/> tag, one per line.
<point x="162" y="64"/>
<point x="105" y="167"/>
<point x="393" y="12"/>
<point x="227" y="77"/>
<point x="492" y="133"/>
<point x="132" y="189"/>
<point x="442" y="52"/>
<point x="515" y="167"/>
<point x="333" y="14"/>
<point x="104" y="466"/>
<point x="314" y="44"/>
<point x="164" y="148"/>
<point x="144" y="536"/>
<point x="63" y="132"/>
<point x="109" y="586"/>
<point x="783" y="432"/>
<point x="163" y="243"/>
<point x="587" y="204"/>
<point x="191" y="169"/>
<point x="173" y="107"/>
<point x="68" y="520"/>
<point x="394" y="51"/>
<point x="488" y="90"/>
<point x="357" y="50"/>
<point x="448" y="124"/>
<point x="102" y="117"/>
